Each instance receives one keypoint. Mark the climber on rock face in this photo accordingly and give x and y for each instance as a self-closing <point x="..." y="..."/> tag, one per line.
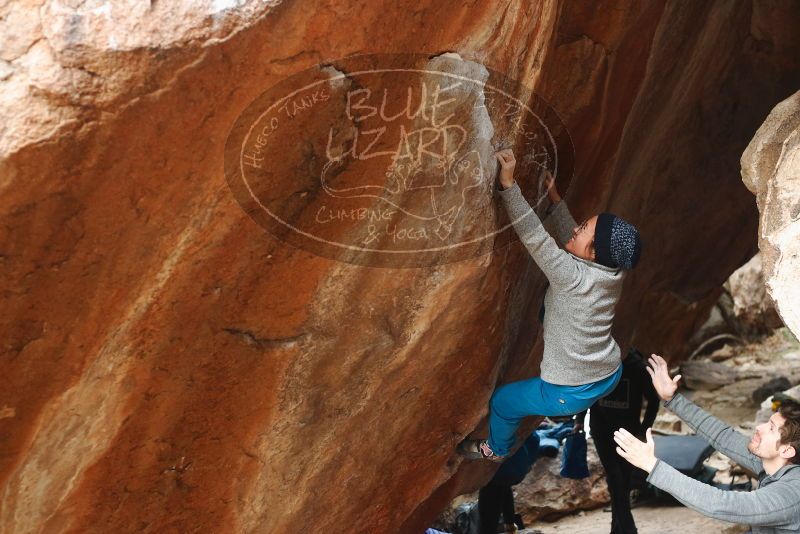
<point x="773" y="453"/>
<point x="581" y="361"/>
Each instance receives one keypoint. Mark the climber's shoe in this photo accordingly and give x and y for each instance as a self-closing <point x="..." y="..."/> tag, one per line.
<point x="478" y="449"/>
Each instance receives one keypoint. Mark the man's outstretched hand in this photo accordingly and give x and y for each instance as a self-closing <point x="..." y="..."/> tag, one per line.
<point x="659" y="372"/>
<point x="639" y="453"/>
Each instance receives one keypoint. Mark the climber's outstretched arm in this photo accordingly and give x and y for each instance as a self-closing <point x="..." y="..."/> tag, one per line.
<point x="559" y="266"/>
<point x="560" y="223"/>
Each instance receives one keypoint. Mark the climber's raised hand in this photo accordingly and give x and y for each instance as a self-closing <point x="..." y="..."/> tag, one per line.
<point x="507" y="164"/>
<point x="659" y="372"/>
<point x="550" y="184"/>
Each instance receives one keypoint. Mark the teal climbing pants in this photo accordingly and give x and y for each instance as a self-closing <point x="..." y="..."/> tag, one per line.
<point x="513" y="402"/>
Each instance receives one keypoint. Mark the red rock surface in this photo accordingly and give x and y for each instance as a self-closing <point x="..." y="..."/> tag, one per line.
<point x="170" y="367"/>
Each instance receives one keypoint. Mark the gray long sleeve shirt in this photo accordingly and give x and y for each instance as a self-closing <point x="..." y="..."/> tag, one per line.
<point x="772" y="508"/>
<point x="579" y="304"/>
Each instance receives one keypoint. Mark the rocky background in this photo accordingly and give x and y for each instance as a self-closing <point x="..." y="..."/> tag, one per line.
<point x="170" y="367"/>
<point x="771" y="170"/>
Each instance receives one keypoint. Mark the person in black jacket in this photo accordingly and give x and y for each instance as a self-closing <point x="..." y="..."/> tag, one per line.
<point x="622" y="408"/>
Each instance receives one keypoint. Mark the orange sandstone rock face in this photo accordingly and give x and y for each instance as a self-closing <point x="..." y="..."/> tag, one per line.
<point x="170" y="366"/>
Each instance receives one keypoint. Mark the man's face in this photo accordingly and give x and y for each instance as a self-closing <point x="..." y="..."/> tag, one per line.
<point x="581" y="244"/>
<point x="766" y="439"/>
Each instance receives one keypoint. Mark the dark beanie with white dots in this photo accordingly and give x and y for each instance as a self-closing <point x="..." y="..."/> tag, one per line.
<point x="616" y="242"/>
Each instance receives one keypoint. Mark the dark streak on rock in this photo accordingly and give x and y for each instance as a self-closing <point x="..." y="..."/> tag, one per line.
<point x="263" y="343"/>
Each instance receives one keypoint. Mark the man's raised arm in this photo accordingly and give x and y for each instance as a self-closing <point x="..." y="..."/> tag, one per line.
<point x="773" y="505"/>
<point x="720" y="435"/>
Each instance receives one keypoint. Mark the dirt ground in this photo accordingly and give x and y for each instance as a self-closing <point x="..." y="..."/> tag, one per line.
<point x="656" y="519"/>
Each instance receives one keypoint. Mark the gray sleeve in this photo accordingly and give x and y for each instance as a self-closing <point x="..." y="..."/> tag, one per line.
<point x="774" y="505"/>
<point x="560" y="222"/>
<point x="721" y="436"/>
<point x="560" y="268"/>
